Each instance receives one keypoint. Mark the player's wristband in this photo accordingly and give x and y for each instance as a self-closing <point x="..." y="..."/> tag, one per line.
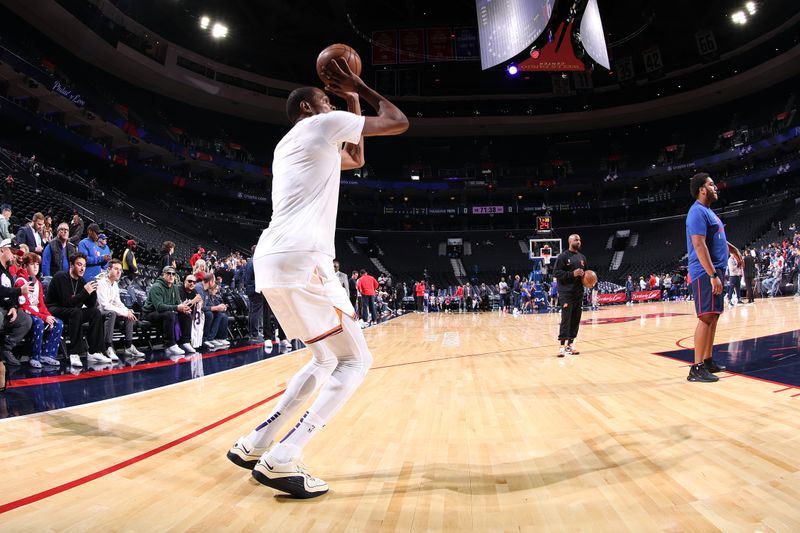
<point x="714" y="275"/>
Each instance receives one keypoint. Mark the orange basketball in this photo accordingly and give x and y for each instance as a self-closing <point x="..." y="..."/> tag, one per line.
<point x="342" y="52"/>
<point x="589" y="279"/>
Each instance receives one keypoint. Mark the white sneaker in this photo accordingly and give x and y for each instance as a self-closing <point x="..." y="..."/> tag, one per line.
<point x="75" y="360"/>
<point x="223" y="343"/>
<point x="562" y="351"/>
<point x="288" y="477"/>
<point x="286" y="343"/>
<point x="241" y="455"/>
<point x="174" y="350"/>
<point x="187" y="347"/>
<point x="211" y="345"/>
<point x="112" y="354"/>
<point x="131" y="351"/>
<point x="98" y="357"/>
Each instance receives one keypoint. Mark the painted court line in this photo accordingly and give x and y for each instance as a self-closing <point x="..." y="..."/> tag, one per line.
<point x="10" y="506"/>
<point x="27" y="382"/>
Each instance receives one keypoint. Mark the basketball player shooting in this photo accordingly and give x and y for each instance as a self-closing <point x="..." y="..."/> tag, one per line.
<point x="294" y="270"/>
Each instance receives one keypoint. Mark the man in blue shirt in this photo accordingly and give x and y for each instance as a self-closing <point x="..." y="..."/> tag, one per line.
<point x="708" y="250"/>
<point x="96" y="259"/>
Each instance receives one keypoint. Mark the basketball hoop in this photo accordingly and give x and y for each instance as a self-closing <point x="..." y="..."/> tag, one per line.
<point x="546" y="257"/>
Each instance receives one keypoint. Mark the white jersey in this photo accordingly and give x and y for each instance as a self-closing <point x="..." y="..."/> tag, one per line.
<point x="305" y="186"/>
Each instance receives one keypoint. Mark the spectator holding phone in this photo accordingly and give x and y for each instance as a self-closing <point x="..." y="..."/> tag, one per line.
<point x="74" y="300"/>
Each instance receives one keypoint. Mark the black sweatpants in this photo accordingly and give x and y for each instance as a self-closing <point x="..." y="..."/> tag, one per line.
<point x="570" y="320"/>
<point x="73" y="318"/>
<point x="167" y="320"/>
<point x="255" y="318"/>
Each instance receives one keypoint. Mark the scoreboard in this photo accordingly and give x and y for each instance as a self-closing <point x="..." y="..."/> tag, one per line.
<point x="544" y="224"/>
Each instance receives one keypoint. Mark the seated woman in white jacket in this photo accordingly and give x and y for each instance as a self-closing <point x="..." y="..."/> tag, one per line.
<point x="113" y="310"/>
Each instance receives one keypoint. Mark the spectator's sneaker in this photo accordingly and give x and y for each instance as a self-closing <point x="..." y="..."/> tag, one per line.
<point x="287" y="345"/>
<point x="111" y="354"/>
<point x="211" y="345"/>
<point x="562" y="351"/>
<point x="187" y="348"/>
<point x="258" y="339"/>
<point x="132" y="351"/>
<point x="75" y="360"/>
<point x="288" y="477"/>
<point x="174" y="350"/>
<point x="712" y="366"/>
<point x="701" y="374"/>
<point x="35" y="363"/>
<point x="49" y="361"/>
<point x="98" y="357"/>
<point x="222" y="343"/>
<point x="11" y="359"/>
<point x="244" y="456"/>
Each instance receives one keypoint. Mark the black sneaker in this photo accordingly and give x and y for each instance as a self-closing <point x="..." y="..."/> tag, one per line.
<point x="701" y="374"/>
<point x="712" y="366"/>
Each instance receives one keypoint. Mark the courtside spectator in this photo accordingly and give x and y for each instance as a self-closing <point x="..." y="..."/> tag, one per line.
<point x="46" y="328"/>
<point x="419" y="293"/>
<point x="8" y="191"/>
<point x="367" y="285"/>
<point x="256" y="302"/>
<point x="342" y="277"/>
<point x="74" y="300"/>
<point x="129" y="266"/>
<point x="57" y="252"/>
<point x="164" y="306"/>
<point x="114" y="311"/>
<point x="194" y="300"/>
<point x="75" y="229"/>
<point x="105" y="251"/>
<point x="95" y="256"/>
<point x="200" y="265"/>
<point x="4" y="220"/>
<point x="215" y="333"/>
<point x="197" y="256"/>
<point x="47" y="230"/>
<point x="31" y="234"/>
<point x="14" y="325"/>
<point x="167" y="255"/>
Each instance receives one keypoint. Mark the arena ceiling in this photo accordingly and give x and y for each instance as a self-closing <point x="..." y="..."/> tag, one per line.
<point x="282" y="39"/>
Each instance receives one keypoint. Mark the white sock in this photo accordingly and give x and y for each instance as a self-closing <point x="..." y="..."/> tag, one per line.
<point x="291" y="447"/>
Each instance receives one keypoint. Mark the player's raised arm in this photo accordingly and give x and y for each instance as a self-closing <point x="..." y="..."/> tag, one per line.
<point x="390" y="120"/>
<point x="353" y="154"/>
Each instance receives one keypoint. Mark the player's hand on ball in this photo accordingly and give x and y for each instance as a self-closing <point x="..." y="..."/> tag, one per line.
<point x="339" y="79"/>
<point x="577" y="272"/>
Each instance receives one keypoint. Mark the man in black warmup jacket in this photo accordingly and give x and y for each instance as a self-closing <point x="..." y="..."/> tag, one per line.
<point x="569" y="268"/>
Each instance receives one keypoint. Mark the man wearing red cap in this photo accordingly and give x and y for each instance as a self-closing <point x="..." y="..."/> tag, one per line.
<point x="197" y="255"/>
<point x="129" y="267"/>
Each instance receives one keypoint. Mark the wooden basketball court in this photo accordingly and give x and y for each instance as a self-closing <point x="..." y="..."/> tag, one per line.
<point x="467" y="422"/>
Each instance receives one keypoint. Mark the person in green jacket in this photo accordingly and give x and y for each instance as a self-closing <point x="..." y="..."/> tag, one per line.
<point x="164" y="306"/>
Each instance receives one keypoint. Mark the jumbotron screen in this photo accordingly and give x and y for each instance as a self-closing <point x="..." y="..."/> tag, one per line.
<point x="507" y="27"/>
<point x="592" y="35"/>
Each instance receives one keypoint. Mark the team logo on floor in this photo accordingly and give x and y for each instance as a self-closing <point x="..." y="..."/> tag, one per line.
<point x="621" y="319"/>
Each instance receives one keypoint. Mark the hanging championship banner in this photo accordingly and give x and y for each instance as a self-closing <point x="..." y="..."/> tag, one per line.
<point x="440" y="44"/>
<point x="412" y="46"/>
<point x="384" y="47"/>
<point x="467" y="44"/>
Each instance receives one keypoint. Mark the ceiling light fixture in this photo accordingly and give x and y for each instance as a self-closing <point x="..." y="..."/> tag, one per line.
<point x="204" y="22"/>
<point x="219" y="31"/>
